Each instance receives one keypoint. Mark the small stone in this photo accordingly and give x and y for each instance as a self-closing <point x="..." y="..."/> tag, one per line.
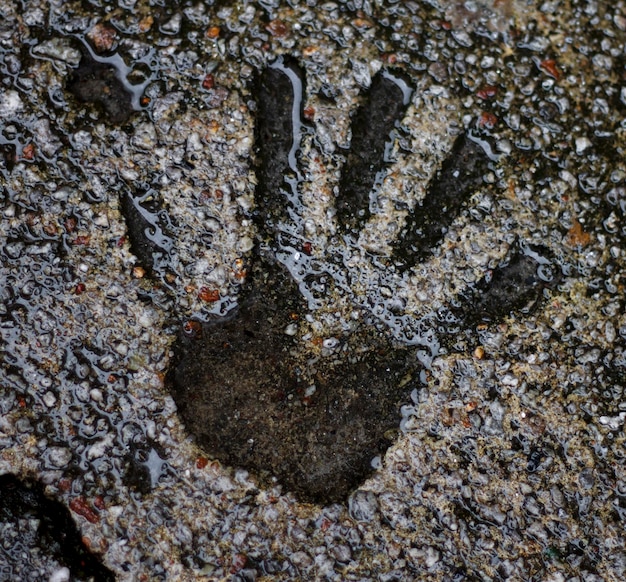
<point x="97" y="450"/>
<point x="49" y="399"/>
<point x="245" y="244"/>
<point x="34" y="17"/>
<point x="59" y="49"/>
<point x="363" y="505"/>
<point x="103" y="37"/>
<point x="136" y="362"/>
<point x="609" y="332"/>
<point x="586" y="478"/>
<point x="208" y="295"/>
<point x="145" y="320"/>
<point x="582" y="144"/>
<point x="145" y="137"/>
<point x="462" y="37"/>
<point x="504" y="146"/>
<point x="145" y="24"/>
<point x="59" y="456"/>
<point x="342" y="553"/>
<point x="60" y="575"/>
<point x="10" y="103"/>
<point x="301" y="560"/>
<point x="80" y="506"/>
<point x="173" y="25"/>
<point x="96" y="394"/>
<point x="101" y="220"/>
<point x="432" y="557"/>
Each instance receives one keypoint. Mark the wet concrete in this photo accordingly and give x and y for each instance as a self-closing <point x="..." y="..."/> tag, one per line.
<point x="500" y="299"/>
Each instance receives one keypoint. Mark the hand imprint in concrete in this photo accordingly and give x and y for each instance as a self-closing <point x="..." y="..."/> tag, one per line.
<point x="257" y="396"/>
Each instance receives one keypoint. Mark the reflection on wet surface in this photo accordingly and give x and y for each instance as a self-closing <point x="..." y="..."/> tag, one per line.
<point x="506" y="311"/>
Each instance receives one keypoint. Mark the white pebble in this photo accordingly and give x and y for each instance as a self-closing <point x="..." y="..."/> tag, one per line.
<point x="363" y="505"/>
<point x="121" y="349"/>
<point x="582" y="144"/>
<point x="609" y="332"/>
<point x="145" y="136"/>
<point x="504" y="146"/>
<point x="145" y="320"/>
<point x="432" y="557"/>
<point x="59" y="456"/>
<point x="245" y="244"/>
<point x="49" y="399"/>
<point x="291" y="329"/>
<point x="10" y="103"/>
<point x="101" y="220"/>
<point x="96" y="394"/>
<point x="98" y="449"/>
<point x="60" y="575"/>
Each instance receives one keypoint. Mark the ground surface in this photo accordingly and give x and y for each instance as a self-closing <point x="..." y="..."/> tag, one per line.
<point x="152" y="219"/>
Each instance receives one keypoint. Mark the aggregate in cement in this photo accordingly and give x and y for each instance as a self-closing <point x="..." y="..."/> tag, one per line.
<point x="507" y="462"/>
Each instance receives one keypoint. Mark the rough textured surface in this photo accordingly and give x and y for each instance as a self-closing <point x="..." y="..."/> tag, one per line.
<point x="510" y="459"/>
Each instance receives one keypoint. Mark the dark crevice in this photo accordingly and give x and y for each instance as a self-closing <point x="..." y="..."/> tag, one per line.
<point x="146" y="235"/>
<point x="55" y="535"/>
<point x="516" y="285"/>
<point x="95" y="82"/>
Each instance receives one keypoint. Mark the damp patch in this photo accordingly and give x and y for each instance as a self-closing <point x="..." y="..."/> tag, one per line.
<point x="515" y="285"/>
<point x="103" y="80"/>
<point x="313" y="416"/>
<point x="459" y="177"/>
<point x="372" y="134"/>
<point x="94" y="82"/>
<point x="278" y="134"/>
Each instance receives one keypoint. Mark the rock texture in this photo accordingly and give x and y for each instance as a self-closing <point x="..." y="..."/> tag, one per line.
<point x="130" y="175"/>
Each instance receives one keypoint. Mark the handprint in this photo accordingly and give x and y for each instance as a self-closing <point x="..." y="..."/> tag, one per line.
<point x="312" y="413"/>
<point x="246" y="389"/>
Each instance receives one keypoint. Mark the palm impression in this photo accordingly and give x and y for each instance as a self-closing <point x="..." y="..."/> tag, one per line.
<point x="256" y="388"/>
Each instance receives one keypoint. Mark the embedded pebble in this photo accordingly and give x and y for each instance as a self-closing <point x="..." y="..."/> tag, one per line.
<point x="363" y="505"/>
<point x="60" y="50"/>
<point x="582" y="144"/>
<point x="59" y="456"/>
<point x="10" y="103"/>
<point x="60" y="575"/>
<point x="49" y="399"/>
